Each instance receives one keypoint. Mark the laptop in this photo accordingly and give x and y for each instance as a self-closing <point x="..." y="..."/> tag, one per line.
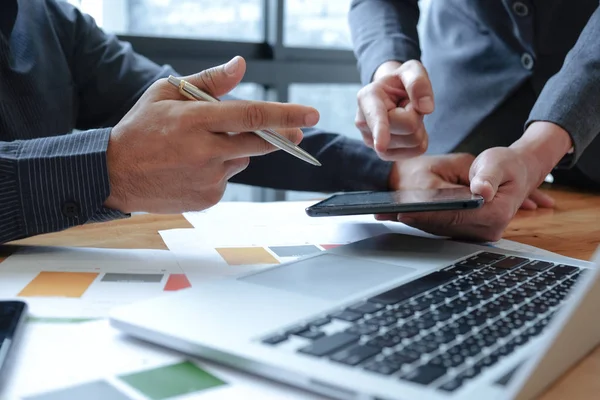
<point x="390" y="317"/>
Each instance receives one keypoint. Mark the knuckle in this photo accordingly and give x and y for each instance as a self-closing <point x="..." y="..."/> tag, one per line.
<point x="361" y="124"/>
<point x="243" y="163"/>
<point x="365" y="91"/>
<point x="289" y="118"/>
<point x="254" y="117"/>
<point x="208" y="79"/>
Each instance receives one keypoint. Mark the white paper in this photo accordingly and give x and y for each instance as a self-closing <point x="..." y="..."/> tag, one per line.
<point x="56" y="356"/>
<point x="21" y="269"/>
<point x="266" y="213"/>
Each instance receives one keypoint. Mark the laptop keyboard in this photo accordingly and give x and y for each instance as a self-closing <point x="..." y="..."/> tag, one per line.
<point x="445" y="328"/>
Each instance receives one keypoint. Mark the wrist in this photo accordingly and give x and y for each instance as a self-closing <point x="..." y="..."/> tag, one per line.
<point x="385" y="69"/>
<point x="544" y="144"/>
<point x="116" y="199"/>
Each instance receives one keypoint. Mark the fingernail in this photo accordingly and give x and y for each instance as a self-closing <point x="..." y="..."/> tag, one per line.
<point x="311" y="119"/>
<point x="426" y="104"/>
<point x="232" y="66"/>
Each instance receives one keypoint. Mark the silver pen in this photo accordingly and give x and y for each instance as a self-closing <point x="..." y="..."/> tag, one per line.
<point x="281" y="142"/>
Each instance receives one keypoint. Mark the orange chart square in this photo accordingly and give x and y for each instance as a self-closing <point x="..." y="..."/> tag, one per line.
<point x="59" y="284"/>
<point x="246" y="256"/>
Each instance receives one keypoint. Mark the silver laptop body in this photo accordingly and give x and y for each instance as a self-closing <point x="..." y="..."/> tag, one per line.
<point x="391" y="317"/>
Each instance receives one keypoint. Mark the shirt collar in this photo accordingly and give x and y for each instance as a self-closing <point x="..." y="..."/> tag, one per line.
<point x="8" y="16"/>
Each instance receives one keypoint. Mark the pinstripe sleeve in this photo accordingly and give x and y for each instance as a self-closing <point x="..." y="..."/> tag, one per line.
<point x="50" y="184"/>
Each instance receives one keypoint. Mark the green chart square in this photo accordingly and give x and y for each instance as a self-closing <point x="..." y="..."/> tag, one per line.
<point x="172" y="380"/>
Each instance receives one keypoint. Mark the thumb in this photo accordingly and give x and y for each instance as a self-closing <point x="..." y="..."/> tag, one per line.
<point x="221" y="79"/>
<point x="486" y="177"/>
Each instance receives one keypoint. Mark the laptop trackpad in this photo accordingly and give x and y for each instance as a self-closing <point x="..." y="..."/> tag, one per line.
<point x="328" y="276"/>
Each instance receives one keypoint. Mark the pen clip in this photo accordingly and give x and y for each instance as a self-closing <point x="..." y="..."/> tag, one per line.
<point x="183" y="91"/>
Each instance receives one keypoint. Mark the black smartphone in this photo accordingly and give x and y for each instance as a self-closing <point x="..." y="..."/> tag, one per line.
<point x="402" y="201"/>
<point x="12" y="319"/>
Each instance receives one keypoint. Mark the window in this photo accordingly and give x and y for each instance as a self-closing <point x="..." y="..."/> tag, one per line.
<point x="336" y="104"/>
<point x="317" y="23"/>
<point x="239" y="20"/>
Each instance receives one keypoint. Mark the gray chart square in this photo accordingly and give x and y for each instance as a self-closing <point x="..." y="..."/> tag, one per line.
<point x="146" y="278"/>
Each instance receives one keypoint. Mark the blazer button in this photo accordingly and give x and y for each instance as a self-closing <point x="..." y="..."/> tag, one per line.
<point x="527" y="61"/>
<point x="520" y="9"/>
<point x="71" y="209"/>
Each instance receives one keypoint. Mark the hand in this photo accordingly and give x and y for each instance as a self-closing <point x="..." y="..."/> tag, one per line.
<point x="504" y="177"/>
<point x="169" y="154"/>
<point x="391" y="108"/>
<point x="431" y="172"/>
<point x="447" y="171"/>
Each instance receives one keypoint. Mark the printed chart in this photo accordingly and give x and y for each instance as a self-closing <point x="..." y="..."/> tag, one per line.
<point x="87" y="283"/>
<point x="92" y="360"/>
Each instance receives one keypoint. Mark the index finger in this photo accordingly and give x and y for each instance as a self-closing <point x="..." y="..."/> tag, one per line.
<point x="376" y="116"/>
<point x="247" y="116"/>
<point x="416" y="81"/>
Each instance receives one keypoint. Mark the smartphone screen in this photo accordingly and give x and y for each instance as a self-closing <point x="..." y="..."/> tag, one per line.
<point x="12" y="316"/>
<point x="396" y="201"/>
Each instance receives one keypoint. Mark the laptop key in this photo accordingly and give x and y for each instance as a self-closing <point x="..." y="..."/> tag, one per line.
<point x="355" y="355"/>
<point x="564" y="270"/>
<point x="452" y="385"/>
<point x="414" y="288"/>
<point x="346" y="315"/>
<point x="494" y="271"/>
<point x="363" y="329"/>
<point x="538" y="265"/>
<point x="275" y="339"/>
<point x="510" y="262"/>
<point x="329" y="344"/>
<point x="382" y="321"/>
<point x="491" y="256"/>
<point x="383" y="367"/>
<point x="425" y="374"/>
<point x="297" y="330"/>
<point x="320" y="322"/>
<point x="366" y="308"/>
<point x="312" y="335"/>
<point x="525" y="272"/>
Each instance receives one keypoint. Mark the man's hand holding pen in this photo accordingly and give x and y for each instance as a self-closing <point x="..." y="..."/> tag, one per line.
<point x="170" y="155"/>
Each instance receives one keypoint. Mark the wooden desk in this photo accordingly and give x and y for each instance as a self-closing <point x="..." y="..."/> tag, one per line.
<point x="571" y="229"/>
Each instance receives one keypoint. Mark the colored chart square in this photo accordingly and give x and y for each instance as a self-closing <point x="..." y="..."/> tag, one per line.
<point x="295" y="251"/>
<point x="246" y="256"/>
<point x="98" y="390"/>
<point x="177" y="282"/>
<point x="173" y="380"/>
<point x="59" y="284"/>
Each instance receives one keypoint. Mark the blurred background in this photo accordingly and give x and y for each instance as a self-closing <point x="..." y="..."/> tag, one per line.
<point x="297" y="51"/>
